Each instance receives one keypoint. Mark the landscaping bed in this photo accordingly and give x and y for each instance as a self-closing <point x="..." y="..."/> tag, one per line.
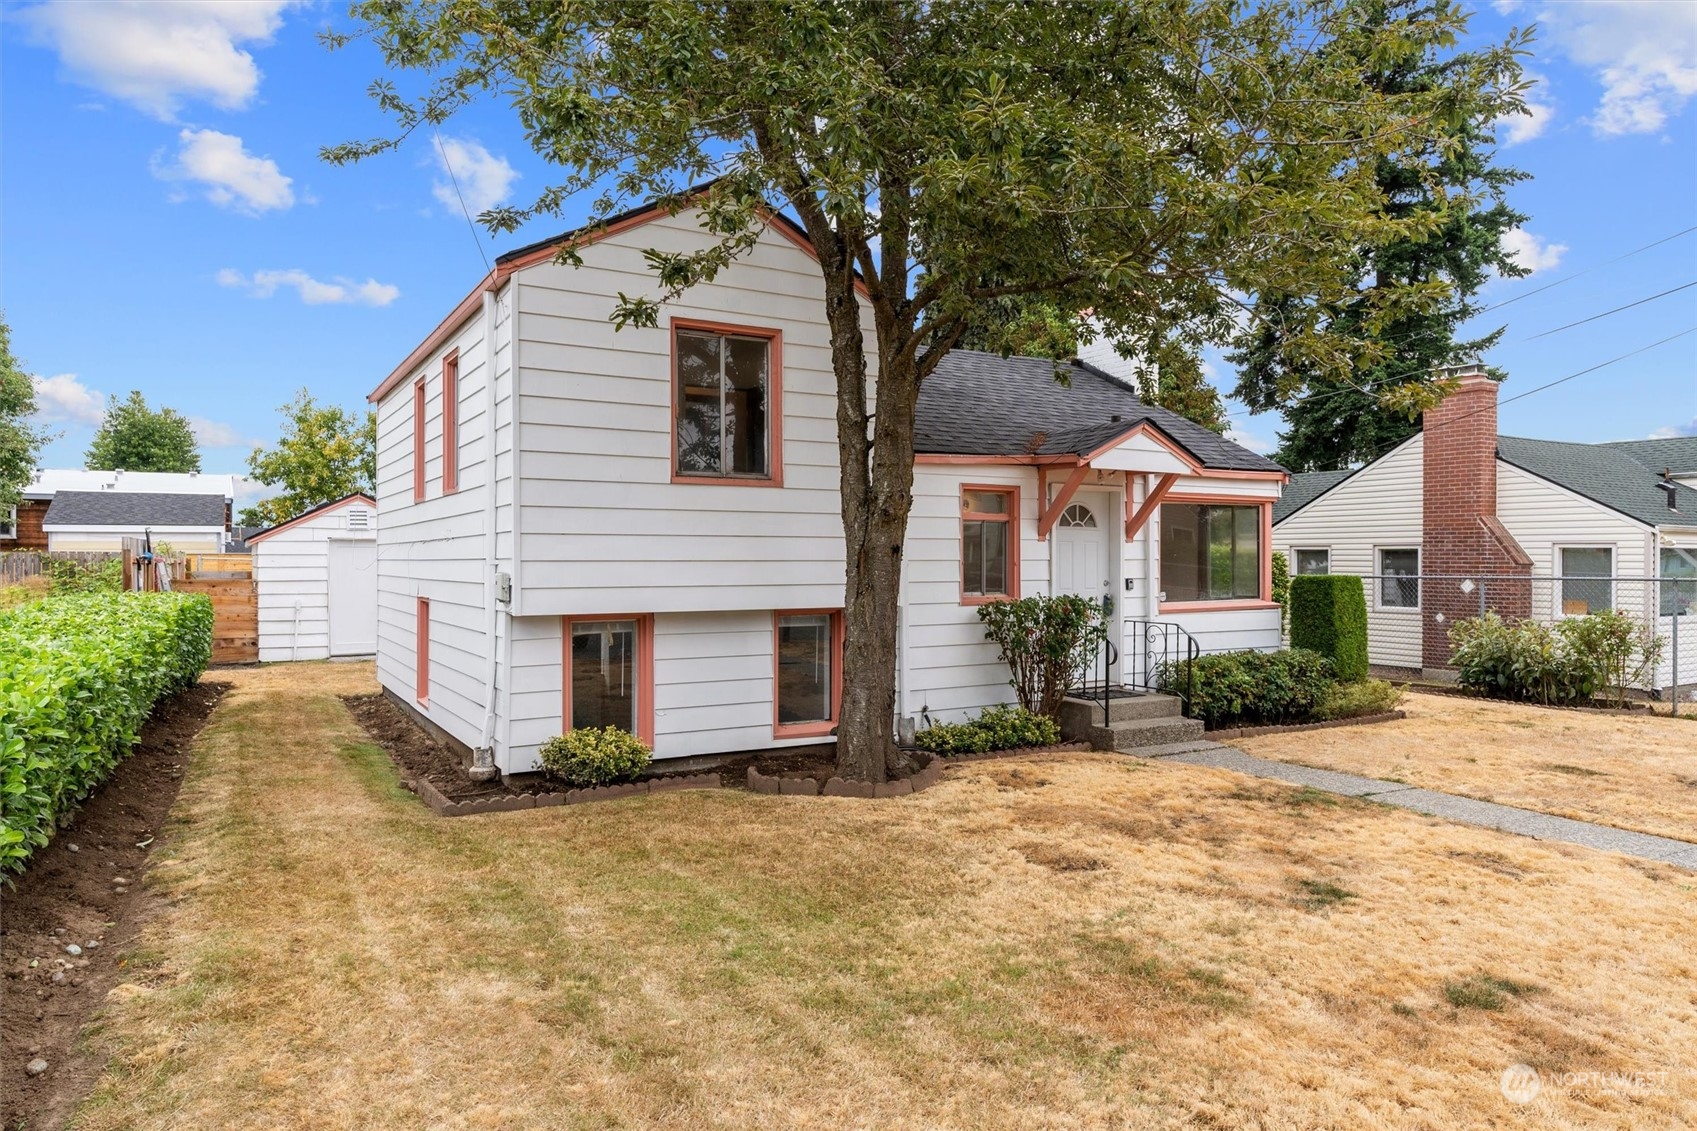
<point x="69" y="896"/>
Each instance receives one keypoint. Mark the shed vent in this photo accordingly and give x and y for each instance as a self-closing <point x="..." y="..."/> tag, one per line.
<point x="359" y="518"/>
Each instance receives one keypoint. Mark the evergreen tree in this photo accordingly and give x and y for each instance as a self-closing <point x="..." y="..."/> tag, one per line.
<point x="134" y="437"/>
<point x="1453" y="183"/>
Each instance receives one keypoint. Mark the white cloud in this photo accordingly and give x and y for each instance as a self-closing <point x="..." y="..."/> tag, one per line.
<point x="63" y="399"/>
<point x="1643" y="54"/>
<point x="233" y="177"/>
<point x="216" y="434"/>
<point x="1530" y="252"/>
<point x="483" y="178"/>
<point x="313" y="292"/>
<point x="1520" y="128"/>
<point x="1675" y="431"/>
<point x="155" y="54"/>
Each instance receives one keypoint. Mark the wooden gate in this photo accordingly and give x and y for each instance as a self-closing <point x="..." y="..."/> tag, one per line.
<point x="235" y="616"/>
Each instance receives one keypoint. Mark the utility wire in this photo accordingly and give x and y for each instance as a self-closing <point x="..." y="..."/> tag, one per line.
<point x="1606" y="313"/>
<point x="1593" y="267"/>
<point x="466" y="212"/>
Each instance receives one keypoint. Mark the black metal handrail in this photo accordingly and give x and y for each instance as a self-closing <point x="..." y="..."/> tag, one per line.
<point x="1164" y="645"/>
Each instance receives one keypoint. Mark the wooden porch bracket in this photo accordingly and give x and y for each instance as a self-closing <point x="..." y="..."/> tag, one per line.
<point x="1052" y="512"/>
<point x="1135" y="520"/>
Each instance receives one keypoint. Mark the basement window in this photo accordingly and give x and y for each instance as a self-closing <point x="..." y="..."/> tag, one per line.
<point x="807" y="671"/>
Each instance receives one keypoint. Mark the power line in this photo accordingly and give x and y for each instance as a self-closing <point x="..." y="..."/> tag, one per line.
<point x="1593" y="267"/>
<point x="1606" y="313"/>
<point x="466" y="212"/>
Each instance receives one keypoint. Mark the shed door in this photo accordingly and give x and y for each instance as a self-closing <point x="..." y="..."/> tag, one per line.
<point x="353" y="597"/>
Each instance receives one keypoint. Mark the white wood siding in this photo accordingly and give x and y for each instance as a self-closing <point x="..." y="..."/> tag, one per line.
<point x="291" y="569"/>
<point x="602" y="527"/>
<point x="436" y="548"/>
<point x="1225" y="630"/>
<point x="1378" y="508"/>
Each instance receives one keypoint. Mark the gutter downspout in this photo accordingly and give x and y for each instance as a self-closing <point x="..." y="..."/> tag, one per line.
<point x="1151" y="595"/>
<point x="483" y="758"/>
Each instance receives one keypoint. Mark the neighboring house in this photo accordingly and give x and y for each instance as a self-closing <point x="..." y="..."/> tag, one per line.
<point x="21" y="527"/>
<point x="641" y="527"/>
<point x="101" y="520"/>
<point x="1458" y="500"/>
<point x="317" y="581"/>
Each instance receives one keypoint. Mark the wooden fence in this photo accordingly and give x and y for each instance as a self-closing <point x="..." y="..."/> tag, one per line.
<point x="20" y="565"/>
<point x="235" y="616"/>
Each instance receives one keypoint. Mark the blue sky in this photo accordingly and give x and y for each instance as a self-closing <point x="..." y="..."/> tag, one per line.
<point x="166" y="225"/>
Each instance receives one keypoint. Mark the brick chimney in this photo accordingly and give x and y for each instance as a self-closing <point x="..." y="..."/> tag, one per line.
<point x="1462" y="536"/>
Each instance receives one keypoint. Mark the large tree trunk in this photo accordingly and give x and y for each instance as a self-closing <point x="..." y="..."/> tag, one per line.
<point x="875" y="512"/>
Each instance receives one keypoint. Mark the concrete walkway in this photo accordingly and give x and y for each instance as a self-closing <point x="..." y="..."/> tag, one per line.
<point x="1485" y="814"/>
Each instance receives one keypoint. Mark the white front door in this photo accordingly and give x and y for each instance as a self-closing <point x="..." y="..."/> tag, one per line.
<point x="1084" y="564"/>
<point x="353" y="597"/>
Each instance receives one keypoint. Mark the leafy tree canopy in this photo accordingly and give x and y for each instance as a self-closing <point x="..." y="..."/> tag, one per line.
<point x="19" y="440"/>
<point x="134" y="437"/>
<point x="1336" y="418"/>
<point x="1153" y="163"/>
<point x="323" y="453"/>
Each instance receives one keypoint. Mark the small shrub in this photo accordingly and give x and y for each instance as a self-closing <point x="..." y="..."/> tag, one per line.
<point x="78" y="677"/>
<point x="1328" y="615"/>
<point x="1581" y="658"/>
<point x="998" y="728"/>
<point x="592" y="756"/>
<point x="1350" y="700"/>
<point x="1249" y="688"/>
<point x="1047" y="642"/>
<point x="1620" y="650"/>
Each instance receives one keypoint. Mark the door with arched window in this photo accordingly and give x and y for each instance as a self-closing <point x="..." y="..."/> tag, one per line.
<point x="1084" y="547"/>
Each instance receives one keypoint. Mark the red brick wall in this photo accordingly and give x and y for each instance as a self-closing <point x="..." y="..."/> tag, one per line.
<point x="1460" y="470"/>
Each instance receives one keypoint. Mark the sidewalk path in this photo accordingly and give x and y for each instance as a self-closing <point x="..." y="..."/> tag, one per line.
<point x="1486" y="814"/>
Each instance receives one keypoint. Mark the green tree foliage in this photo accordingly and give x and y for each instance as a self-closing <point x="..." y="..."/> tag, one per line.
<point x="19" y="440"/>
<point x="134" y="437"/>
<point x="323" y="453"/>
<point x="1334" y="419"/>
<point x="1150" y="163"/>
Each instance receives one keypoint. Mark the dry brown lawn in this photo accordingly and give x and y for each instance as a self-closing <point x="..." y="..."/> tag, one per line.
<point x="1631" y="771"/>
<point x="1071" y="941"/>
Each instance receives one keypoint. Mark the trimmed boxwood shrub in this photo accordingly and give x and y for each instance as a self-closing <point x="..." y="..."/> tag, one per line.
<point x="1328" y="615"/>
<point x="1251" y="688"/>
<point x="592" y="756"/>
<point x="998" y="728"/>
<point x="78" y="677"/>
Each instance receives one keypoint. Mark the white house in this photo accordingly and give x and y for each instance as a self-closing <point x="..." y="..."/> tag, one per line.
<point x="641" y="527"/>
<point x="317" y="581"/>
<point x="1587" y="526"/>
<point x="101" y="520"/>
<point x="21" y="526"/>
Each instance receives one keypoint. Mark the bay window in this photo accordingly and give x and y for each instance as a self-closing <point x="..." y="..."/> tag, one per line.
<point x="1210" y="552"/>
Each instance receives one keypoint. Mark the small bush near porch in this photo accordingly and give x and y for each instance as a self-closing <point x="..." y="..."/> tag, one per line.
<point x="1064" y="941"/>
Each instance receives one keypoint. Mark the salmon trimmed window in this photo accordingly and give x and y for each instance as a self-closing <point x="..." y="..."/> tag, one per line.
<point x="807" y="672"/>
<point x="989" y="539"/>
<point x="727" y="404"/>
<point x="609" y="674"/>
<point x="451" y="423"/>
<point x="421" y="689"/>
<point x="418" y="441"/>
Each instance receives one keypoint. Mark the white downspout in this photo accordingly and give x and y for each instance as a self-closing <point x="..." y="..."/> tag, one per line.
<point x="483" y="758"/>
<point x="1152" y="592"/>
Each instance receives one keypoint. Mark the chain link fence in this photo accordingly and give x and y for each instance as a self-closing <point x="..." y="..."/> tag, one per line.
<point x="1409" y="617"/>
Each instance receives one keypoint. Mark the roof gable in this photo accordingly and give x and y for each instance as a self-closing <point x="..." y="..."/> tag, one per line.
<point x="311" y="513"/>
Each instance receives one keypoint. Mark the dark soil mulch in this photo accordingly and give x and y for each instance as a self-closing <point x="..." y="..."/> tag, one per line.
<point x="71" y="897"/>
<point x="419" y="756"/>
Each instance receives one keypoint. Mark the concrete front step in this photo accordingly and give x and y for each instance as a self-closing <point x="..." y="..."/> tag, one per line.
<point x="1079" y="714"/>
<point x="1135" y="735"/>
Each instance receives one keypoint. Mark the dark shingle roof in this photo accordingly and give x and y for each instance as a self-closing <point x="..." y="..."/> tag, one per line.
<point x="1676" y="453"/>
<point x="1605" y="473"/>
<point x="1304" y="488"/>
<point x="984" y="404"/>
<point x="133" y="508"/>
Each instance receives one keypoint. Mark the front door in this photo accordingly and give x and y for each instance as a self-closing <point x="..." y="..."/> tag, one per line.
<point x="1084" y="563"/>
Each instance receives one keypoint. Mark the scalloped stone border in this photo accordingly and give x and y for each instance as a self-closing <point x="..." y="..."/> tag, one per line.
<point x="432" y="796"/>
<point x="901" y="787"/>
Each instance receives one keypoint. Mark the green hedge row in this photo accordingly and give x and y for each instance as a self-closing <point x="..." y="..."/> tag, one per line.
<point x="78" y="677"/>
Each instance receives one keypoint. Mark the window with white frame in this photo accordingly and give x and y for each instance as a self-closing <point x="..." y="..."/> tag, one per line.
<point x="1399" y="579"/>
<point x="1312" y="561"/>
<point x="1587" y="584"/>
<point x="1679" y="597"/>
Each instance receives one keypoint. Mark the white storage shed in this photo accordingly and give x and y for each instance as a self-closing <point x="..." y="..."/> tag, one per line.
<point x="317" y="579"/>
